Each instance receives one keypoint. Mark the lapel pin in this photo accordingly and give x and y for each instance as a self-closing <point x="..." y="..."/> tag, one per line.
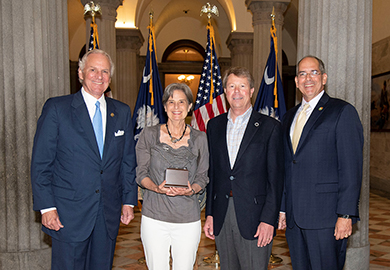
<point x="256" y="124"/>
<point x="320" y="108"/>
<point x="112" y="114"/>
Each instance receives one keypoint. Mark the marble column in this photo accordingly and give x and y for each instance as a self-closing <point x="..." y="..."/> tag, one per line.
<point x="106" y="29"/>
<point x="261" y="11"/>
<point x="339" y="33"/>
<point x="128" y="43"/>
<point x="240" y="45"/>
<point x="34" y="64"/>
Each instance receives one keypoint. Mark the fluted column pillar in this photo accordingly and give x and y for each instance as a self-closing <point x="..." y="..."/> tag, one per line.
<point x="339" y="33"/>
<point x="261" y="11"/>
<point x="128" y="43"/>
<point x="240" y="45"/>
<point x="34" y="64"/>
<point x="106" y="29"/>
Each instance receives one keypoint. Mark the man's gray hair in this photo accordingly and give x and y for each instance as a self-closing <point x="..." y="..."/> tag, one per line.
<point x="83" y="61"/>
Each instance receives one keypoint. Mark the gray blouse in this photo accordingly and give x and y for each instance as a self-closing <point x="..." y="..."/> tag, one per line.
<point x="153" y="157"/>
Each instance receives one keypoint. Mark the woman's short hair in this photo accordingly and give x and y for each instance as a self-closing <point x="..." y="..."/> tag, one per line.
<point x="239" y="72"/>
<point x="168" y="92"/>
<point x="83" y="61"/>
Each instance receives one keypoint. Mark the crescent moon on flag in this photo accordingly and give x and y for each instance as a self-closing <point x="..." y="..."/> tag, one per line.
<point x="267" y="80"/>
<point x="147" y="78"/>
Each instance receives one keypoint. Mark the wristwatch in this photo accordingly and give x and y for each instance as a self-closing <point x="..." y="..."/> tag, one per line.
<point x="345" y="216"/>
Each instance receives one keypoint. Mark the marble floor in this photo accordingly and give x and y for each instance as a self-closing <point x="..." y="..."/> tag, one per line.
<point x="129" y="252"/>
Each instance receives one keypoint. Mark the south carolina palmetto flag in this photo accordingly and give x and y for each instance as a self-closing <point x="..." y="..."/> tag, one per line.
<point x="270" y="99"/>
<point x="149" y="110"/>
<point x="210" y="99"/>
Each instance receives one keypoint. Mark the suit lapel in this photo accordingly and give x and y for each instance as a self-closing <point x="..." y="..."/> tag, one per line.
<point x="112" y="117"/>
<point x="317" y="112"/>
<point x="80" y="113"/>
<point x="221" y="128"/>
<point x="252" y="127"/>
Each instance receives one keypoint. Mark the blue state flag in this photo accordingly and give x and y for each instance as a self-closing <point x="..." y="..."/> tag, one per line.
<point x="149" y="110"/>
<point x="270" y="99"/>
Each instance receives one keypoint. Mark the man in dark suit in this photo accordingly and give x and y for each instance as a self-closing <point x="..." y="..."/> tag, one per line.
<point x="83" y="169"/>
<point x="246" y="178"/>
<point x="323" y="166"/>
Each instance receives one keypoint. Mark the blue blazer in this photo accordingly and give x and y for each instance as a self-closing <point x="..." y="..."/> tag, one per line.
<point x="256" y="179"/>
<point x="68" y="173"/>
<point x="323" y="177"/>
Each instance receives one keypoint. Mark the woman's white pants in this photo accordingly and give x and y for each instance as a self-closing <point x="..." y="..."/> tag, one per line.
<point x="158" y="237"/>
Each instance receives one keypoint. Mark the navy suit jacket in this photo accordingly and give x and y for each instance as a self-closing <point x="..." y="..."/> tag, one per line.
<point x="323" y="177"/>
<point x="256" y="179"/>
<point x="68" y="173"/>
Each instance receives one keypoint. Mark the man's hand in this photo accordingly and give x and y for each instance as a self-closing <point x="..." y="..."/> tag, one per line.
<point x="127" y="214"/>
<point x="52" y="221"/>
<point x="265" y="233"/>
<point x="282" y="221"/>
<point x="208" y="228"/>
<point x="343" y="228"/>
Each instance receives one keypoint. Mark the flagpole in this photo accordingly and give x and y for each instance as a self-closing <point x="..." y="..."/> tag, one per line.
<point x="151" y="46"/>
<point x="209" y="10"/>
<point x="273" y="34"/>
<point x="93" y="9"/>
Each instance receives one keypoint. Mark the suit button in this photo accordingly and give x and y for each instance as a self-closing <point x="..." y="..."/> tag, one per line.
<point x="101" y="172"/>
<point x="294" y="161"/>
<point x="227" y="196"/>
<point x="232" y="177"/>
<point x="97" y="191"/>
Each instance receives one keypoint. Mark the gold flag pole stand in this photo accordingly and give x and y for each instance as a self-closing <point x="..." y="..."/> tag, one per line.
<point x="209" y="10"/>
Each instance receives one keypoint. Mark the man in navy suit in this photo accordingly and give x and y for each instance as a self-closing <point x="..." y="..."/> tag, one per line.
<point x="246" y="178"/>
<point x="323" y="172"/>
<point x="83" y="169"/>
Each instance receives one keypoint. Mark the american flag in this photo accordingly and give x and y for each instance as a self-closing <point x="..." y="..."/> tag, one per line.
<point x="210" y="99"/>
<point x="94" y="37"/>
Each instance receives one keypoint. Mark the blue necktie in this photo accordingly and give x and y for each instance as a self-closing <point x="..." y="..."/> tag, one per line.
<point x="98" y="127"/>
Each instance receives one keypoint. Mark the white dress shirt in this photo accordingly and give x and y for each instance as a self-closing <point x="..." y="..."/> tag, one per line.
<point x="312" y="104"/>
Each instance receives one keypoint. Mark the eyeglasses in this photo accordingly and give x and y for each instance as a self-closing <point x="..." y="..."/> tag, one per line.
<point x="313" y="73"/>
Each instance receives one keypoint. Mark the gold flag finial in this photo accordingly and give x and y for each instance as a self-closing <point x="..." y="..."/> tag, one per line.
<point x="209" y="9"/>
<point x="273" y="14"/>
<point x="93" y="8"/>
<point x="151" y="13"/>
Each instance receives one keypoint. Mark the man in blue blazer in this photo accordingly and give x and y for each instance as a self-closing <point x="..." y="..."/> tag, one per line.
<point x="246" y="178"/>
<point x="323" y="172"/>
<point x="83" y="169"/>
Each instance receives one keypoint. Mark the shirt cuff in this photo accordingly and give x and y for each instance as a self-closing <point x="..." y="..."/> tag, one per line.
<point x="48" y="209"/>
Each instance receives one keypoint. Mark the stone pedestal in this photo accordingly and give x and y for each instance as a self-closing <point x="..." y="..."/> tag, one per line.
<point x="240" y="45"/>
<point x="128" y="43"/>
<point x="106" y="29"/>
<point x="342" y="39"/>
<point x="34" y="59"/>
<point x="261" y="10"/>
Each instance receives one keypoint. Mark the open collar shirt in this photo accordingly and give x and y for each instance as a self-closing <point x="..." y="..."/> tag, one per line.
<point x="235" y="132"/>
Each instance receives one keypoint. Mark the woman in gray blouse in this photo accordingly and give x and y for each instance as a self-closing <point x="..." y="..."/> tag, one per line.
<point x="171" y="215"/>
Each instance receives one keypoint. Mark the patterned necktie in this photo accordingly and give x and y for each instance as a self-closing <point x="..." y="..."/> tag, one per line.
<point x="299" y="127"/>
<point x="98" y="127"/>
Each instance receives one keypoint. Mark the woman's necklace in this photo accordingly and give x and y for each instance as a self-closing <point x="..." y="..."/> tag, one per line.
<point x="173" y="139"/>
